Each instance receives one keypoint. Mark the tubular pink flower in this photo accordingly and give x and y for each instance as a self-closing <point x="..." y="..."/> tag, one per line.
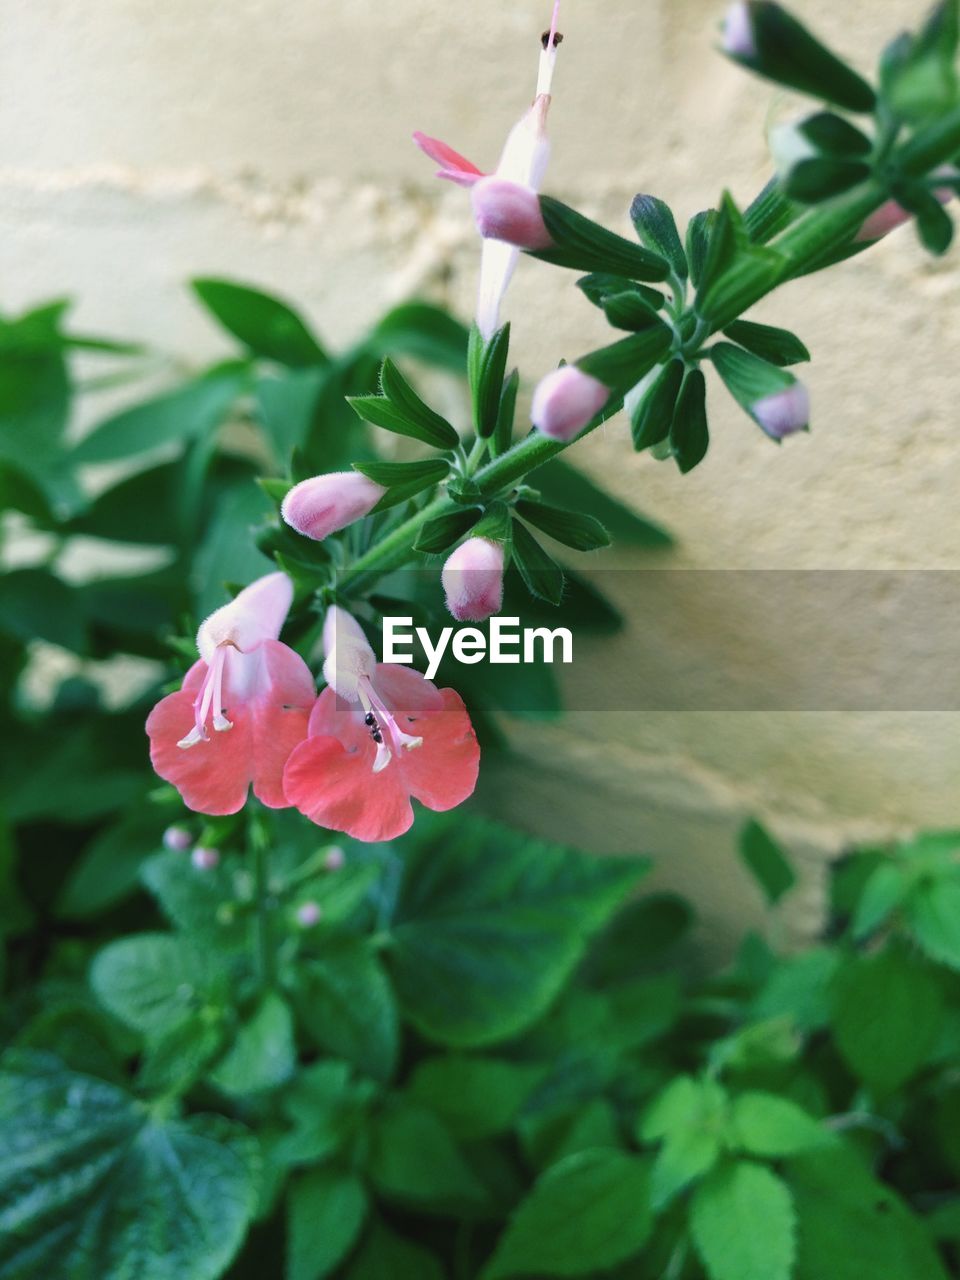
<point x="254" y="692"/>
<point x="453" y="166"/>
<point x="378" y="736"/>
<point x="565" y="401"/>
<point x="473" y="580"/>
<point x="326" y="504"/>
<point x="738" y="38"/>
<point x="508" y="211"/>
<point x="784" y="412"/>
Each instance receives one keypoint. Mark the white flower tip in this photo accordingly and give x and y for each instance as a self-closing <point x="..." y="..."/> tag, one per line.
<point x="349" y="655"/>
<point x="472" y="578"/>
<point x="256" y="614"/>
<point x="784" y="412"/>
<point x="510" y="212"/>
<point x="738" y="37"/>
<point x="326" y="504"/>
<point x="565" y="401"/>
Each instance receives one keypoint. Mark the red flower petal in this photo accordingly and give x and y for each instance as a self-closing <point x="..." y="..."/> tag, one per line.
<point x="337" y="788"/>
<point x="443" y="772"/>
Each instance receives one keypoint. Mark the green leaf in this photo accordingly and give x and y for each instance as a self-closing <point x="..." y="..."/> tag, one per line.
<point x="108" y="869"/>
<point x="684" y="1104"/>
<point x="198" y="902"/>
<point x="622" y="364"/>
<point x="490" y="924"/>
<point x="397" y="417"/>
<point x="150" y="981"/>
<point x="503" y="430"/>
<point x="384" y="1254"/>
<point x="726" y="231"/>
<point x="934" y="224"/>
<point x="743" y="1223"/>
<point x="799" y="989"/>
<point x="685" y="1157"/>
<point x="788" y="54"/>
<point x="486" y="367"/>
<point x="475" y="1097"/>
<point x="653" y="404"/>
<point x="777" y="346"/>
<point x="263" y="1054"/>
<point x="586" y="246"/>
<point x="397" y="389"/>
<point x="346" y="1005"/>
<point x="763" y="1124"/>
<point x="851" y="1226"/>
<point x="174" y="1061"/>
<point x="748" y="378"/>
<point x="934" y="915"/>
<point x="766" y="861"/>
<point x="19" y="492"/>
<point x="37" y="605"/>
<point x="192" y="411"/>
<point x="629" y="310"/>
<point x="821" y="178"/>
<point x="326" y="1209"/>
<point x="441" y="534"/>
<point x="886" y="1017"/>
<point x="403" y="480"/>
<point x="565" y="486"/>
<point x="834" y="135"/>
<point x="600" y="285"/>
<point x="582" y="532"/>
<point x="413" y="1158"/>
<point x="326" y="1111"/>
<point x="586" y="1214"/>
<point x="422" y="330"/>
<point x="689" y="432"/>
<point x="93" y="1183"/>
<point x="657" y="229"/>
<point x="541" y="575"/>
<point x="286" y="404"/>
<point x="699" y="233"/>
<point x="268" y="327"/>
<point x="769" y="213"/>
<point x="882" y="894"/>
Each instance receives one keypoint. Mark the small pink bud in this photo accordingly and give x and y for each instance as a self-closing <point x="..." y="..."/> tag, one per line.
<point x="738" y="37"/>
<point x="510" y="212"/>
<point x="205" y="859"/>
<point x="308" y="914"/>
<point x="177" y="839"/>
<point x="335" y="858"/>
<point x="565" y="401"/>
<point x="784" y="412"/>
<point x="892" y="215"/>
<point x="325" y="504"/>
<point x="473" y="580"/>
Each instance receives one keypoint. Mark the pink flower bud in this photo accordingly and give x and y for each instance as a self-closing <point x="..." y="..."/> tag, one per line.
<point x="565" y="401"/>
<point x="308" y="914"/>
<point x="892" y="215"/>
<point x="325" y="504"/>
<point x="473" y="580"/>
<point x="177" y="839"/>
<point x="205" y="859"/>
<point x="784" y="412"/>
<point x="738" y="38"/>
<point x="335" y="858"/>
<point x="510" y="212"/>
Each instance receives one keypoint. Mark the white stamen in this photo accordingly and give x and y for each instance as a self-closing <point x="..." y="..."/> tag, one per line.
<point x="191" y="740"/>
<point x="548" y="58"/>
<point x="384" y="756"/>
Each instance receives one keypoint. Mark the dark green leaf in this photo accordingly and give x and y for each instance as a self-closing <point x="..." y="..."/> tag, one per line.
<point x="934" y="226"/>
<point x="766" y="862"/>
<point x="503" y="431"/>
<point x="270" y="328"/>
<point x="422" y="330"/>
<point x="652" y="412"/>
<point x="600" y="285"/>
<point x="657" y="229"/>
<point x="748" y="378"/>
<point x="476" y="1097"/>
<point x="403" y="480"/>
<point x="486" y="366"/>
<point x="622" y="364"/>
<point x="439" y="534"/>
<point x="397" y="389"/>
<point x="699" y="233"/>
<point x="384" y="1254"/>
<point x="629" y="310"/>
<point x="326" y="1209"/>
<point x="934" y="914"/>
<point x="818" y="179"/>
<point x="565" y="486"/>
<point x="573" y="529"/>
<point x="689" y="433"/>
<point x="769" y="213"/>
<point x="285" y="407"/>
<point x="150" y="981"/>
<point x="262" y="1055"/>
<point x="414" y="1159"/>
<point x="743" y="1223"/>
<point x="345" y="1002"/>
<point x="777" y="346"/>
<point x="542" y="576"/>
<point x="727" y="231"/>
<point x="36" y="605"/>
<point x="383" y="412"/>
<point x="586" y="246"/>
<point x="108" y="869"/>
<point x="834" y="135"/>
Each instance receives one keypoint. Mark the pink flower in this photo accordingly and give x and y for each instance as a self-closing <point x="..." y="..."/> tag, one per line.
<point x="257" y="694"/>
<point x="892" y="215"/>
<point x="335" y="859"/>
<point x="783" y="412"/>
<point x="325" y="504"/>
<point x="309" y="914"/>
<point x="738" y="38"/>
<point x="505" y="209"/>
<point x="177" y="839"/>
<point x="378" y="735"/>
<point x="565" y="401"/>
<point x="205" y="859"/>
<point x="473" y="580"/>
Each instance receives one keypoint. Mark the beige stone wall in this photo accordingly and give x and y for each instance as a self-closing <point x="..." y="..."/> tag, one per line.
<point x="268" y="140"/>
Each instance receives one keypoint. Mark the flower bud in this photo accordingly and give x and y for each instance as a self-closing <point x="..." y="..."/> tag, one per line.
<point x="738" y="38"/>
<point x="565" y="401"/>
<point x="473" y="580"/>
<point x="783" y="412"/>
<point x="325" y="504"/>
<point x="308" y="914"/>
<point x="335" y="858"/>
<point x="510" y="212"/>
<point x="205" y="859"/>
<point x="177" y="839"/>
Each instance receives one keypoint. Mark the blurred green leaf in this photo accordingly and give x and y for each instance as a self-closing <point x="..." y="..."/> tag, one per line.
<point x="743" y="1223"/>
<point x="268" y="327"/>
<point x="37" y="605"/>
<point x="346" y="1005"/>
<point x="766" y="861"/>
<point x="326" y="1209"/>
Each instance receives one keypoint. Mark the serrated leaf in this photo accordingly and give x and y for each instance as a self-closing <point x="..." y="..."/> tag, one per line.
<point x="743" y="1223"/>
<point x="689" y="432"/>
<point x="440" y="534"/>
<point x="486" y="367"/>
<point x="263" y="1054"/>
<point x="657" y="228"/>
<point x="326" y="1209"/>
<point x="776" y="346"/>
<point x="573" y="529"/>
<point x="382" y="412"/>
<point x="586" y="246"/>
<point x="934" y="915"/>
<point x="399" y="392"/>
<point x="92" y="1181"/>
<point x="766" y="861"/>
<point x="197" y="902"/>
<point x="269" y="327"/>
<point x="151" y="981"/>
<point x="685" y="1156"/>
<point x="489" y="925"/>
<point x="541" y="575"/>
<point x="586" y="1214"/>
<point x="346" y="1005"/>
<point x="881" y="895"/>
<point x="763" y="1124"/>
<point x="652" y="405"/>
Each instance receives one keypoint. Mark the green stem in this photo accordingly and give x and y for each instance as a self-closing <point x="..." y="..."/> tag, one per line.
<point x="259" y="847"/>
